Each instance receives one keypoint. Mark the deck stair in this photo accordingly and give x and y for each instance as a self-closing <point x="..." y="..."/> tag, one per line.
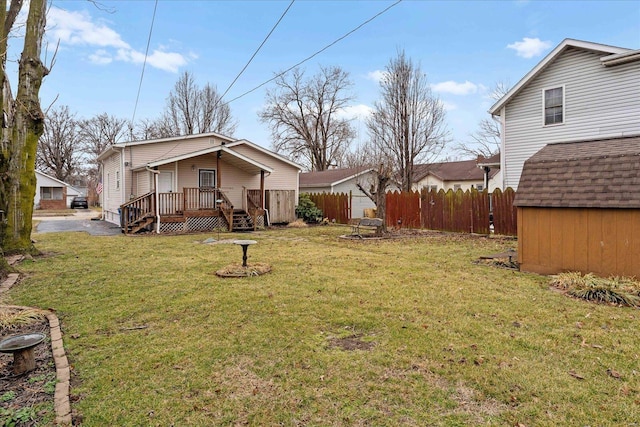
<point x="242" y="221"/>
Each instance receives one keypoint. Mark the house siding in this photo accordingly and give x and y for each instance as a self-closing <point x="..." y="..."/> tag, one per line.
<point x="359" y="201"/>
<point x="600" y="102"/>
<point x="284" y="175"/>
<point x="112" y="196"/>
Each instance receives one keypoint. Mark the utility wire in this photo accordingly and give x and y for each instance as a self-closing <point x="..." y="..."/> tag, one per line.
<point x="258" y="49"/>
<point x="144" y="64"/>
<point x="313" y="55"/>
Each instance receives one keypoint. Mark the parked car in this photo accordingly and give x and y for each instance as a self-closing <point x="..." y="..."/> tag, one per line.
<point x="79" y="202"/>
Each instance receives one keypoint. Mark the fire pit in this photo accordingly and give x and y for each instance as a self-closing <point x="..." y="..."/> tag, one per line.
<point x="21" y="346"/>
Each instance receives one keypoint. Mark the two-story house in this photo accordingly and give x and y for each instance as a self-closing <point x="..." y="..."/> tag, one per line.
<point x="571" y="148"/>
<point x="580" y="91"/>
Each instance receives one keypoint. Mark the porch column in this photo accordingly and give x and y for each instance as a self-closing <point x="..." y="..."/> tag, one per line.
<point x="261" y="189"/>
<point x="218" y="172"/>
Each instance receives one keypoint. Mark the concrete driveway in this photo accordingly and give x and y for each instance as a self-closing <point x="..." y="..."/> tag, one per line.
<point x="82" y="220"/>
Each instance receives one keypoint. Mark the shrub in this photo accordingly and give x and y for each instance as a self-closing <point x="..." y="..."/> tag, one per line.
<point x="614" y="290"/>
<point x="307" y="210"/>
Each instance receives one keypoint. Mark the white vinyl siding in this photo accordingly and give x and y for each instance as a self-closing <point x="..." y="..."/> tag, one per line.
<point x="599" y="102"/>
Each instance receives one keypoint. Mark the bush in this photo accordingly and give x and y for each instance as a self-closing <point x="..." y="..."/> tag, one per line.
<point x="614" y="290"/>
<point x="307" y="210"/>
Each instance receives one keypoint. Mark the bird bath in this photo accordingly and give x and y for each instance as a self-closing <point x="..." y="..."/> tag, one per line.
<point x="21" y="346"/>
<point x="245" y="244"/>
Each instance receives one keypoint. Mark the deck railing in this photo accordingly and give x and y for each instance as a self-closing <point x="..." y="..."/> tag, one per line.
<point x="136" y="210"/>
<point x="193" y="199"/>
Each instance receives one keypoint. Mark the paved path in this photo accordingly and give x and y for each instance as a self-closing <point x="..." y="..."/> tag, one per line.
<point x="82" y="220"/>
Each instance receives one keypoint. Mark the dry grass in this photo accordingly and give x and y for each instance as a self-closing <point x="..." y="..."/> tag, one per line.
<point x="390" y="332"/>
<point x="613" y="290"/>
<point x="12" y="318"/>
<point x="298" y="223"/>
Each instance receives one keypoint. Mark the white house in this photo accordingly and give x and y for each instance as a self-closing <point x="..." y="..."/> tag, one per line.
<point x="461" y="175"/>
<point x="196" y="182"/>
<point x="51" y="193"/>
<point x="336" y="181"/>
<point x="581" y="91"/>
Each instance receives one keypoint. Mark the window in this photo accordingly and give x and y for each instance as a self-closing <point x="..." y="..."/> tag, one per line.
<point x="207" y="178"/>
<point x="433" y="188"/>
<point x="456" y="187"/>
<point x="51" y="193"/>
<point x="480" y="187"/>
<point x="554" y="106"/>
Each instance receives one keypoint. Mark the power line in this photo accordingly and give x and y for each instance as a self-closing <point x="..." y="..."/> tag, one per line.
<point x="258" y="49"/>
<point x="144" y="64"/>
<point x="315" y="54"/>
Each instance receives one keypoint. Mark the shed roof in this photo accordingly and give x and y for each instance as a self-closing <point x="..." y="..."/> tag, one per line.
<point x="330" y="177"/>
<point x="589" y="174"/>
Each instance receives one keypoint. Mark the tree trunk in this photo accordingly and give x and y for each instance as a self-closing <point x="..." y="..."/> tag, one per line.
<point x="20" y="137"/>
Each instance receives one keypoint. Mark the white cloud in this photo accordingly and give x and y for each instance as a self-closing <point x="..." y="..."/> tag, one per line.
<point x="167" y="61"/>
<point x="100" y="57"/>
<point x="376" y="75"/>
<point x="448" y="106"/>
<point x="78" y="29"/>
<point x="359" y="112"/>
<point x="455" y="88"/>
<point x="528" y="48"/>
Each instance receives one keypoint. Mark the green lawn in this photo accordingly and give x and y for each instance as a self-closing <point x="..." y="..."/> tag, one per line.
<point x="339" y="333"/>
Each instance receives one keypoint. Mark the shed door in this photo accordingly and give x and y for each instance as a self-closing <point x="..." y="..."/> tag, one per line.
<point x="165" y="182"/>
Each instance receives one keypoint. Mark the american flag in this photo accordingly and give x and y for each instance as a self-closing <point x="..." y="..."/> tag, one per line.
<point x="99" y="187"/>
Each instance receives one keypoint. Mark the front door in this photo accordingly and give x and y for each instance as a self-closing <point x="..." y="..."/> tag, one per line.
<point x="165" y="182"/>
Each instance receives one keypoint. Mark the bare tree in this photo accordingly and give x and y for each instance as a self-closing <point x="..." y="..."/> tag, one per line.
<point x="191" y="110"/>
<point x="96" y="134"/>
<point x="305" y="118"/>
<point x="23" y="124"/>
<point x="407" y="125"/>
<point x="59" y="146"/>
<point x="485" y="140"/>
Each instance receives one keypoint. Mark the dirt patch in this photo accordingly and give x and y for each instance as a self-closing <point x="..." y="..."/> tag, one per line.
<point x="28" y="398"/>
<point x="351" y="343"/>
<point x="237" y="270"/>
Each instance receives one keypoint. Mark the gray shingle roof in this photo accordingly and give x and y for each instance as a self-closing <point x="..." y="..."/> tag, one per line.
<point x="465" y="170"/>
<point x="328" y="177"/>
<point x="590" y="174"/>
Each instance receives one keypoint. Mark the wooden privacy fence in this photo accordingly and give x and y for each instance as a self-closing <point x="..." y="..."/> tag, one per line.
<point x="457" y="211"/>
<point x="333" y="206"/>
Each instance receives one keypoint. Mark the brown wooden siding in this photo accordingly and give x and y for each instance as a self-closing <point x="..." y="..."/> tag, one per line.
<point x="602" y="241"/>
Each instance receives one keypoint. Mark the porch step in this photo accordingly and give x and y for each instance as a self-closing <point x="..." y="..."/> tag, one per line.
<point x="141" y="224"/>
<point x="242" y="221"/>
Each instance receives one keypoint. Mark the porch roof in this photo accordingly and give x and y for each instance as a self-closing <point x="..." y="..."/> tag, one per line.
<point x="230" y="156"/>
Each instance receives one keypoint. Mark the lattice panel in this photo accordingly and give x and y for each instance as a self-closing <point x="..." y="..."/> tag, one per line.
<point x="172" y="227"/>
<point x="206" y="223"/>
<point x="260" y="221"/>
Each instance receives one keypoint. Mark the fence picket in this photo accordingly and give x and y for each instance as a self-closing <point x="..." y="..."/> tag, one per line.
<point x="457" y="211"/>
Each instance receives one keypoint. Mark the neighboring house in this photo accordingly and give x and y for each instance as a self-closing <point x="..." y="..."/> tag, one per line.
<point x="196" y="182"/>
<point x="580" y="91"/>
<point x="579" y="208"/>
<point x="51" y="193"/>
<point x="336" y="181"/>
<point x="463" y="175"/>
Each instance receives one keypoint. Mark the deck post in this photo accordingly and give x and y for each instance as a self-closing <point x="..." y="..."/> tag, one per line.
<point x="261" y="189"/>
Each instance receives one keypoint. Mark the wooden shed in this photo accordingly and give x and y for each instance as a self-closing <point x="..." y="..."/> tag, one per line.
<point x="579" y="208"/>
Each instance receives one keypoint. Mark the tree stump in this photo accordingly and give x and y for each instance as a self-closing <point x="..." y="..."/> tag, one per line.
<point x="24" y="361"/>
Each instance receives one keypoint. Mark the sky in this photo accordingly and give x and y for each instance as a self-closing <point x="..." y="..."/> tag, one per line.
<point x="463" y="47"/>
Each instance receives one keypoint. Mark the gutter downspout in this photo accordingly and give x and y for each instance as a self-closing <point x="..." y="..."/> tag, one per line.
<point x="156" y="195"/>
